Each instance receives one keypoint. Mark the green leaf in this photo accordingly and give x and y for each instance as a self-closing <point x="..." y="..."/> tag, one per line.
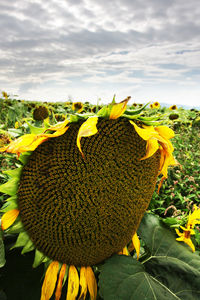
<point x="168" y="269"/>
<point x="10" y="188"/>
<point x="2" y="251"/>
<point x="124" y="278"/>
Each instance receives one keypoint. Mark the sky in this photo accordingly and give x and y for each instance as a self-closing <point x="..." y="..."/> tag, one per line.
<point x="85" y="50"/>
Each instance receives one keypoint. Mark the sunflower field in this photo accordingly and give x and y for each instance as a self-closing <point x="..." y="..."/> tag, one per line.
<point x="99" y="201"/>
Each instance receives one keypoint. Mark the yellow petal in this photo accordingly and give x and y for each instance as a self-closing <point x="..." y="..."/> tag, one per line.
<point x="136" y="244"/>
<point x="73" y="283"/>
<point x="152" y="147"/>
<point x="118" y="109"/>
<point x="59" y="126"/>
<point x="178" y="232"/>
<point x="60" y="281"/>
<point x="50" y="281"/>
<point x="189" y="243"/>
<point x="88" y="128"/>
<point x="91" y="283"/>
<point x="9" y="218"/>
<point x="144" y="133"/>
<point x="83" y="284"/>
<point x="29" y="142"/>
<point x="165" y="132"/>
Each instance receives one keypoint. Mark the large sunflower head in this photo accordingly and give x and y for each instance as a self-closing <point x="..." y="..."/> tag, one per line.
<point x="82" y="191"/>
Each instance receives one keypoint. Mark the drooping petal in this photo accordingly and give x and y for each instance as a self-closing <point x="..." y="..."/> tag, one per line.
<point x="118" y="109"/>
<point x="136" y="244"/>
<point x="60" y="282"/>
<point x="88" y="128"/>
<point x="83" y="284"/>
<point x="59" y="126"/>
<point x="29" y="142"/>
<point x="91" y="283"/>
<point x="189" y="243"/>
<point x="9" y="218"/>
<point x="73" y="283"/>
<point x="145" y="133"/>
<point x="152" y="147"/>
<point x="50" y="281"/>
<point x="165" y="132"/>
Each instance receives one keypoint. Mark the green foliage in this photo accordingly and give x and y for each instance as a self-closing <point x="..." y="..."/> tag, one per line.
<point x="167" y="270"/>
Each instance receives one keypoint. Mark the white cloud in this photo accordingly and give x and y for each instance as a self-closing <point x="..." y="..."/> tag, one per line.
<point x="91" y="49"/>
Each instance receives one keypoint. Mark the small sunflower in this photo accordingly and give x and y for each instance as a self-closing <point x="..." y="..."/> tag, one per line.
<point x="185" y="235"/>
<point x="173" y="107"/>
<point x="83" y="188"/>
<point x="156" y="104"/>
<point x="77" y="106"/>
<point x="40" y="113"/>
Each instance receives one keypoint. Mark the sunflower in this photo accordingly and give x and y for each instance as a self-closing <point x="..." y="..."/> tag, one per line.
<point x="40" y="113"/>
<point x="77" y="106"/>
<point x="81" y="192"/>
<point x="173" y="107"/>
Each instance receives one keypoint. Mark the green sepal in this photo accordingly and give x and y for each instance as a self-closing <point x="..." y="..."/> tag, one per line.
<point x="14" y="173"/>
<point x="28" y="247"/>
<point x="66" y="275"/>
<point x="22" y="240"/>
<point x="39" y="258"/>
<point x="24" y="157"/>
<point x="135" y="111"/>
<point x="153" y="118"/>
<point x="35" y="130"/>
<point x="152" y="123"/>
<point x="105" y="111"/>
<point x="74" y="118"/>
<point x="17" y="227"/>
<point x="9" y="205"/>
<point x="10" y="188"/>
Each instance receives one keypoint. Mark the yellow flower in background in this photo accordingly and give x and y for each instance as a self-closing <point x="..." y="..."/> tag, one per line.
<point x="77" y="106"/>
<point x="185" y="236"/>
<point x="156" y="105"/>
<point x="151" y="106"/>
<point x="63" y="205"/>
<point x="5" y="95"/>
<point x="173" y="107"/>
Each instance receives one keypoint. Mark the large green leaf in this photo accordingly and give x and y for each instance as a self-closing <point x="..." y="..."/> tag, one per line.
<point x="169" y="270"/>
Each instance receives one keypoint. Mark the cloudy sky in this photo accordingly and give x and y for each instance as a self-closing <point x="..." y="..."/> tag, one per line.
<point x="90" y="49"/>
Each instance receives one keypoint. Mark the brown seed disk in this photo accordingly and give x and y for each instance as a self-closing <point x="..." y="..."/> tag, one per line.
<point x="80" y="211"/>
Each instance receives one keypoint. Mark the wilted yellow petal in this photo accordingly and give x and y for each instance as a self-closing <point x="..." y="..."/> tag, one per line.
<point x="136" y="244"/>
<point x="145" y="133"/>
<point x="59" y="126"/>
<point x="50" y="281"/>
<point x="88" y="128"/>
<point x="73" y="283"/>
<point x="165" y="132"/>
<point x="152" y="147"/>
<point x="9" y="218"/>
<point x="118" y="109"/>
<point x="60" y="281"/>
<point x="29" y="142"/>
<point x="91" y="283"/>
<point x="83" y="284"/>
